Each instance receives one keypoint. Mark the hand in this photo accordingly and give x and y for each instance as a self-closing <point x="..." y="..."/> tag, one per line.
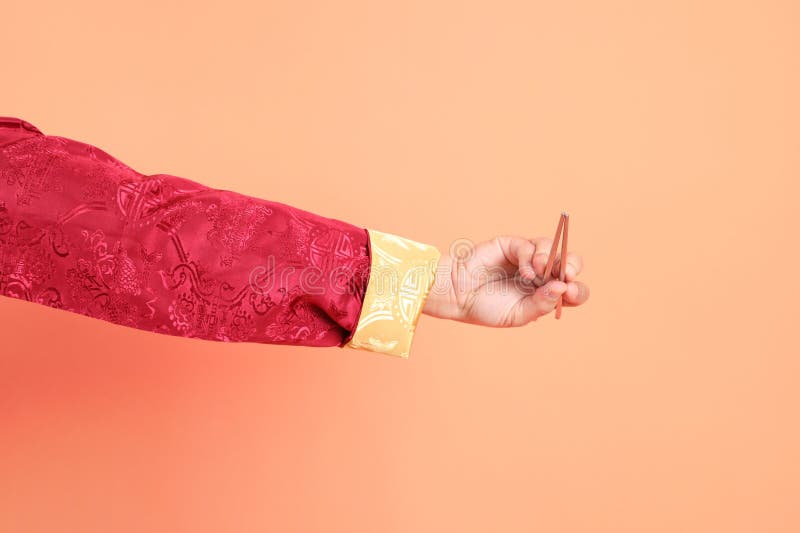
<point x="498" y="282"/>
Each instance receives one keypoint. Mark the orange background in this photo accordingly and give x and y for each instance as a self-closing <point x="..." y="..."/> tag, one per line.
<point x="669" y="402"/>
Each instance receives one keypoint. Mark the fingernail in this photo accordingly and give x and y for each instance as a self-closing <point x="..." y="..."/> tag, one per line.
<point x="571" y="271"/>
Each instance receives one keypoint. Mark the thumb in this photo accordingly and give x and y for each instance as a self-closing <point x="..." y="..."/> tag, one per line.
<point x="542" y="301"/>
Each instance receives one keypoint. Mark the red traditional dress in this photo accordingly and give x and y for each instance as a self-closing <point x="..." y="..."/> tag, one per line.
<point x="83" y="232"/>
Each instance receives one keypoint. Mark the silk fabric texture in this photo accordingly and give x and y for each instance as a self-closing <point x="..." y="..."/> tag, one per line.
<point x="83" y="232"/>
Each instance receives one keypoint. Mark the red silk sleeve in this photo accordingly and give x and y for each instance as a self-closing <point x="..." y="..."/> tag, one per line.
<point x="83" y="232"/>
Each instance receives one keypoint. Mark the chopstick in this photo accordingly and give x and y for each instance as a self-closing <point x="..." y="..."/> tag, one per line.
<point x="563" y="225"/>
<point x="562" y="266"/>
<point x="549" y="268"/>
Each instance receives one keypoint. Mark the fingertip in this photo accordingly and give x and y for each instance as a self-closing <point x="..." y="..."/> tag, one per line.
<point x="527" y="271"/>
<point x="577" y="293"/>
<point x="573" y="291"/>
<point x="571" y="271"/>
<point x="554" y="288"/>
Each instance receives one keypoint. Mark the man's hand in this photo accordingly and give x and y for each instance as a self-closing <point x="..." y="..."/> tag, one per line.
<point x="499" y="282"/>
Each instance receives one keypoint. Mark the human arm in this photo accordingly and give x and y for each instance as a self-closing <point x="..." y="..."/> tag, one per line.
<point x="82" y="231"/>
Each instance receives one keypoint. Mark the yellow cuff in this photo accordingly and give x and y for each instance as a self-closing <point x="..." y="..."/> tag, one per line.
<point x="401" y="275"/>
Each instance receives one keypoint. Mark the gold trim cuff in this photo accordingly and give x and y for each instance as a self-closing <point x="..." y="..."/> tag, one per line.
<point x="402" y="273"/>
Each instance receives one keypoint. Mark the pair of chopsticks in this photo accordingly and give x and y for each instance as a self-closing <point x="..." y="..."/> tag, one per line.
<point x="563" y="224"/>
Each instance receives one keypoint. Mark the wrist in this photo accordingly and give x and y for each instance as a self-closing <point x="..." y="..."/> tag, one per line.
<point x="441" y="301"/>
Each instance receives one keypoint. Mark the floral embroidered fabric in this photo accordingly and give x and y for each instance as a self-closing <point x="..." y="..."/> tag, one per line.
<point x="82" y="231"/>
